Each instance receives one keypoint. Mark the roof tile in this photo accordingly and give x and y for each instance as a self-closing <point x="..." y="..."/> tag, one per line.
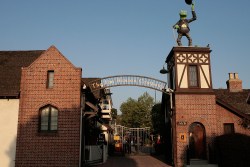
<point x="11" y="63"/>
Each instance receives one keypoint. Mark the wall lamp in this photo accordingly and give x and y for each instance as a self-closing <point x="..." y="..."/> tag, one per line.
<point x="163" y="70"/>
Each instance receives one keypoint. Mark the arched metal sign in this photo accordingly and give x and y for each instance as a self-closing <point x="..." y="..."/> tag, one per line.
<point x="128" y="80"/>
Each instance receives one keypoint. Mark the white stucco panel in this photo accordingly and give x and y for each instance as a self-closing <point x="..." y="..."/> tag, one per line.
<point x="182" y="80"/>
<point x="204" y="83"/>
<point x="8" y="131"/>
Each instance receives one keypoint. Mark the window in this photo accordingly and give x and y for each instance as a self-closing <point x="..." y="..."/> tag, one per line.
<point x="50" y="79"/>
<point x="48" y="119"/>
<point x="228" y="128"/>
<point x="193" y="76"/>
<point x="105" y="102"/>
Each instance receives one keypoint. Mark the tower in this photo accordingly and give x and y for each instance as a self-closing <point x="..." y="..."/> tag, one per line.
<point x="193" y="102"/>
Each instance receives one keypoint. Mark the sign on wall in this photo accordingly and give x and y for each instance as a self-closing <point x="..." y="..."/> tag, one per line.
<point x="183" y="137"/>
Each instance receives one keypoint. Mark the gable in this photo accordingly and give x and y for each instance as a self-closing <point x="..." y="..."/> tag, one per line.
<point x="52" y="57"/>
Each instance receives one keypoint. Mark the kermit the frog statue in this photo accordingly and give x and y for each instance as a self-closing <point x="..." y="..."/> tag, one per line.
<point x="183" y="27"/>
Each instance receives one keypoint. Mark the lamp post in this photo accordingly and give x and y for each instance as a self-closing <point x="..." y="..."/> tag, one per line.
<point x="170" y="114"/>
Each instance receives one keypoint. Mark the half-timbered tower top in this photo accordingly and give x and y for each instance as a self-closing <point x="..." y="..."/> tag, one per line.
<point x="190" y="69"/>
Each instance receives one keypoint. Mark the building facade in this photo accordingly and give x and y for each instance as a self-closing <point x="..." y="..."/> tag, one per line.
<point x="43" y="110"/>
<point x="11" y="63"/>
<point x="199" y="112"/>
<point x="49" y="112"/>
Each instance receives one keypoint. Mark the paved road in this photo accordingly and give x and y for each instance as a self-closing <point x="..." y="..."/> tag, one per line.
<point x="134" y="161"/>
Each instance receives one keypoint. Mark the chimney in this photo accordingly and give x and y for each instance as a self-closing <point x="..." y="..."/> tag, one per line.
<point x="234" y="84"/>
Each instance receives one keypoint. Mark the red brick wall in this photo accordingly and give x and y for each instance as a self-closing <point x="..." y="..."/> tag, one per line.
<point x="192" y="108"/>
<point x="203" y="109"/>
<point x="225" y="116"/>
<point x="55" y="149"/>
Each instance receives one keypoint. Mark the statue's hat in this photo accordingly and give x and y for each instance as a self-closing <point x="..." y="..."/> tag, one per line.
<point x="189" y="2"/>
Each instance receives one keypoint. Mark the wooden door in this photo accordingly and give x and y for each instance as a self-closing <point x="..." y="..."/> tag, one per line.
<point x="197" y="141"/>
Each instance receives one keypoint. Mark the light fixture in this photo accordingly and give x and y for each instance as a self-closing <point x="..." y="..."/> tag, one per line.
<point x="163" y="70"/>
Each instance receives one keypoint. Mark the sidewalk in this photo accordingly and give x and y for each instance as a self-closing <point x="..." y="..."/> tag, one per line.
<point x="133" y="161"/>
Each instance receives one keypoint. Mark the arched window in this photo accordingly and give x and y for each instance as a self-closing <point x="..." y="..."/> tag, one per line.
<point x="48" y="119"/>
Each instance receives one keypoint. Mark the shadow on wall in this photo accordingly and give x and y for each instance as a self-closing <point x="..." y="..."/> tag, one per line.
<point x="11" y="153"/>
<point x="60" y="147"/>
<point x="232" y="150"/>
<point x="226" y="150"/>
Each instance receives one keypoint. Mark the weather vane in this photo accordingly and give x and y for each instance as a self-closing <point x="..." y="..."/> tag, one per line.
<point x="182" y="25"/>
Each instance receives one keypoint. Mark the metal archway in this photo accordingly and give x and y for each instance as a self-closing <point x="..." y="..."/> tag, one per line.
<point x="128" y="80"/>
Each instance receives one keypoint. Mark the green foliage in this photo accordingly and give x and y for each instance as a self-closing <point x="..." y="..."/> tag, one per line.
<point x="118" y="120"/>
<point x="114" y="113"/>
<point x="158" y="119"/>
<point x="137" y="113"/>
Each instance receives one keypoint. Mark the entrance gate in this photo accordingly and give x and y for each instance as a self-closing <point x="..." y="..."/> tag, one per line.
<point x="135" y="140"/>
<point x="128" y="80"/>
<point x="140" y="139"/>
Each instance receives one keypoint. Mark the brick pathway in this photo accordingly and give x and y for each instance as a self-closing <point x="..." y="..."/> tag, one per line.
<point x="133" y="161"/>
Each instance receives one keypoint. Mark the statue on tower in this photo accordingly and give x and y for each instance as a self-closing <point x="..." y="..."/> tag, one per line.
<point x="182" y="25"/>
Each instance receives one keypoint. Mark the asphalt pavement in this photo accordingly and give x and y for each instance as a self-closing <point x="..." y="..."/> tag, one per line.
<point x="134" y="161"/>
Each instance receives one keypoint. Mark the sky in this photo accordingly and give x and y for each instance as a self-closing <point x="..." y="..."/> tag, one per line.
<point x="133" y="37"/>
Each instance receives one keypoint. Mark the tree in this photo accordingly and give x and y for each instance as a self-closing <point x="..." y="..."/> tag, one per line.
<point x="137" y="113"/>
<point x="115" y="117"/>
<point x="158" y="120"/>
<point x="114" y="113"/>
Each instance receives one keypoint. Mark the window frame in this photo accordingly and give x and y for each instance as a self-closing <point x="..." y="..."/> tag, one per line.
<point x="190" y="77"/>
<point x="50" y="79"/>
<point x="227" y="126"/>
<point x="49" y="118"/>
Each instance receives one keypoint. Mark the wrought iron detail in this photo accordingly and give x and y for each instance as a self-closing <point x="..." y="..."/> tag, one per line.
<point x="128" y="80"/>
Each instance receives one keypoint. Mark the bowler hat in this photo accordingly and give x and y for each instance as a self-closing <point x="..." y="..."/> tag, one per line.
<point x="189" y="2"/>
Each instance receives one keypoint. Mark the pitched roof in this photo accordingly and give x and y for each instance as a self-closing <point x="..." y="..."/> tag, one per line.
<point x="236" y="101"/>
<point x="97" y="94"/>
<point x="11" y="63"/>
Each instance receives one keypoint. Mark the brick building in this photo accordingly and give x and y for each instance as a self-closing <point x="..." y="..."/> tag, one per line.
<point x="43" y="97"/>
<point x="49" y="112"/>
<point x="199" y="112"/>
<point x="11" y="63"/>
<point x="42" y="109"/>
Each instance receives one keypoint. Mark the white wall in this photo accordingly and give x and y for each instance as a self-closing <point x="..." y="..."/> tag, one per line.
<point x="8" y="131"/>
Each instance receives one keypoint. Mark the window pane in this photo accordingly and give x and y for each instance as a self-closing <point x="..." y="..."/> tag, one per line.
<point x="49" y="119"/>
<point x="228" y="128"/>
<point x="105" y="102"/>
<point x="50" y="79"/>
<point x="193" y="77"/>
<point x="45" y="119"/>
<point x="45" y="111"/>
<point x="44" y="127"/>
<point x="105" y="107"/>
<point x="54" y="112"/>
<point x="53" y="119"/>
<point x="53" y="127"/>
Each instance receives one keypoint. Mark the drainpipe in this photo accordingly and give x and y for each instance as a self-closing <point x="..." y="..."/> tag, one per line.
<point x="80" y="151"/>
<point x="170" y="92"/>
<point x="82" y="100"/>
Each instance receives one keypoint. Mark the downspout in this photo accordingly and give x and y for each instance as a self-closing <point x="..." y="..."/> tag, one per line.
<point x="80" y="150"/>
<point x="82" y="99"/>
